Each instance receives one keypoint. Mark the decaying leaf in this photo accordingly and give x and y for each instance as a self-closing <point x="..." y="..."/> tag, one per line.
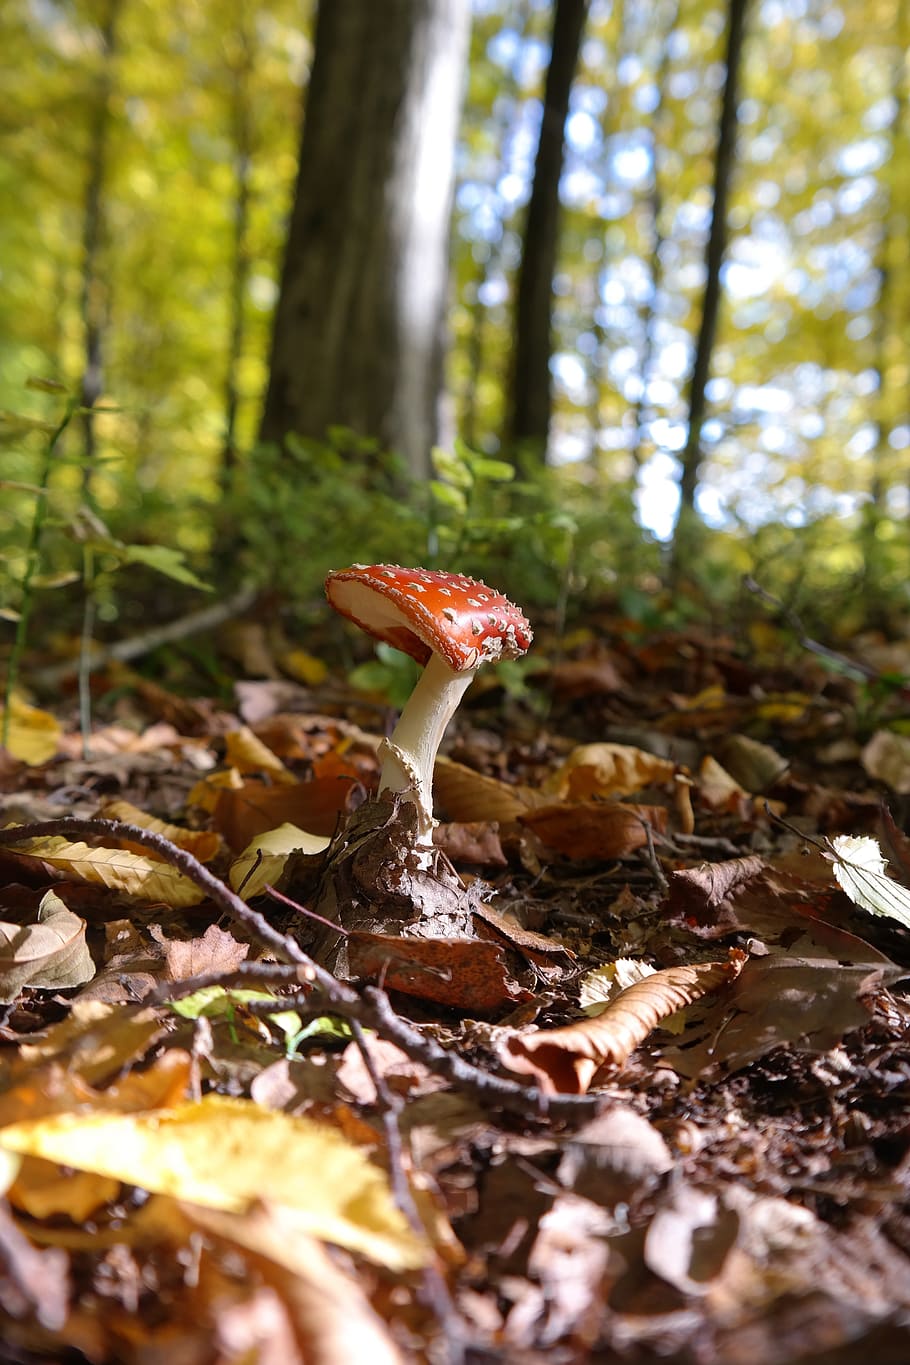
<point x="228" y="1153"/>
<point x="115" y="868"/>
<point x="567" y="1059"/>
<point x="776" y="1001"/>
<point x="595" y="829"/>
<point x="859" y="868"/>
<point x="263" y="860"/>
<point x="204" y="844"/>
<point x="463" y="794"/>
<point x="50" y="953"/>
<point x="94" y="1040"/>
<point x="601" y="770"/>
<point x="467" y="974"/>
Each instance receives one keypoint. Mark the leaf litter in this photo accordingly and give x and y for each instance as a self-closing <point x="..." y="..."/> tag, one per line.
<point x="211" y="1145"/>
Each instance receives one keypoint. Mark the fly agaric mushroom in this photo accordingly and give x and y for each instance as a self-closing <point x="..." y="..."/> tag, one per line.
<point x="446" y="621"/>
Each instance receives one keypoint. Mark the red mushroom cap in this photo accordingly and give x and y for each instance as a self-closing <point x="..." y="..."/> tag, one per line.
<point x="425" y="611"/>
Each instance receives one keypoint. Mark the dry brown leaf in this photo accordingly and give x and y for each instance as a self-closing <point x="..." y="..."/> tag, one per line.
<point x="50" y="953"/>
<point x="332" y="1318"/>
<point x="474" y="841"/>
<point x="595" y="829"/>
<point x="463" y="794"/>
<point x="216" y="951"/>
<point x="204" y="844"/>
<point x="245" y="752"/>
<point x="599" y="770"/>
<point x="468" y="974"/>
<point x="566" y="1060"/>
<point x="242" y="813"/>
<point x="94" y="1040"/>
<point x="115" y="868"/>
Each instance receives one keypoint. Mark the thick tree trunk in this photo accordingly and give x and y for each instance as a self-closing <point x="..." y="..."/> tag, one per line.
<point x="717" y="245"/>
<point x="359" y="329"/>
<point x="531" y="399"/>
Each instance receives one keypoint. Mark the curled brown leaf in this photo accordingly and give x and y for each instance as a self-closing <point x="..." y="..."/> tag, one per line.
<point x="566" y="1060"/>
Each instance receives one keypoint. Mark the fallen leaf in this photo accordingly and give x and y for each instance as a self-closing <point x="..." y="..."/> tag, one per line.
<point x="333" y="1319"/>
<point x="228" y="1153"/>
<point x="601" y="770"/>
<point x="34" y="1282"/>
<point x="464" y="794"/>
<point x="886" y="757"/>
<point x="859" y="869"/>
<point x="264" y="859"/>
<point x="611" y="1156"/>
<point x="204" y="844"/>
<point x="566" y="1060"/>
<point x="689" y="1238"/>
<point x="51" y="953"/>
<point x="473" y="841"/>
<point x="245" y="752"/>
<point x="777" y="1001"/>
<point x="115" y="868"/>
<point x="466" y="974"/>
<point x="95" y="1039"/>
<point x="595" y="829"/>
<point x="242" y="813"/>
<point x="754" y="765"/>
<point x="34" y="736"/>
<point x="216" y="951"/>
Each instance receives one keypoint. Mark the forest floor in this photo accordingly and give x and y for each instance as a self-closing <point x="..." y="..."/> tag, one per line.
<point x="214" y="1150"/>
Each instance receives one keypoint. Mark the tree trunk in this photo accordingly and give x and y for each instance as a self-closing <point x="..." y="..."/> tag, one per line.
<point x="531" y="397"/>
<point x="359" y="328"/>
<point x="93" y="298"/>
<point x="241" y="117"/>
<point x="717" y="244"/>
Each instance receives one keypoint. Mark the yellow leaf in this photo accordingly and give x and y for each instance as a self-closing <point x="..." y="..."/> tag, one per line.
<point x="204" y="844"/>
<point x="41" y="1190"/>
<point x="303" y="667"/>
<point x="116" y="868"/>
<point x="263" y="860"/>
<point x="228" y="1153"/>
<point x="34" y="736"/>
<point x="248" y="754"/>
<point x="205" y="794"/>
<point x="598" y="770"/>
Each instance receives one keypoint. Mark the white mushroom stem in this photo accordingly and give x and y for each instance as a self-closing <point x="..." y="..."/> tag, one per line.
<point x="409" y="755"/>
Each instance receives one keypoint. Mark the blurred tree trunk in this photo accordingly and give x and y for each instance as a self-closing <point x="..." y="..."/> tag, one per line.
<point x="359" y="328"/>
<point x="240" y="72"/>
<point x="531" y="398"/>
<point x="891" y="265"/>
<point x="93" y="303"/>
<point x="643" y="412"/>
<point x="724" y="162"/>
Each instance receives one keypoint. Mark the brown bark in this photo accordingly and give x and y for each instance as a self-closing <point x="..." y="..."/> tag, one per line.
<point x="724" y="162"/>
<point x="531" y="398"/>
<point x="359" y="328"/>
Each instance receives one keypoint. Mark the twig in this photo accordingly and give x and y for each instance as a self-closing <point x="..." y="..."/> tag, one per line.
<point x="371" y="1009"/>
<point x="137" y="645"/>
<point x="255" y="924"/>
<point x="855" y="666"/>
